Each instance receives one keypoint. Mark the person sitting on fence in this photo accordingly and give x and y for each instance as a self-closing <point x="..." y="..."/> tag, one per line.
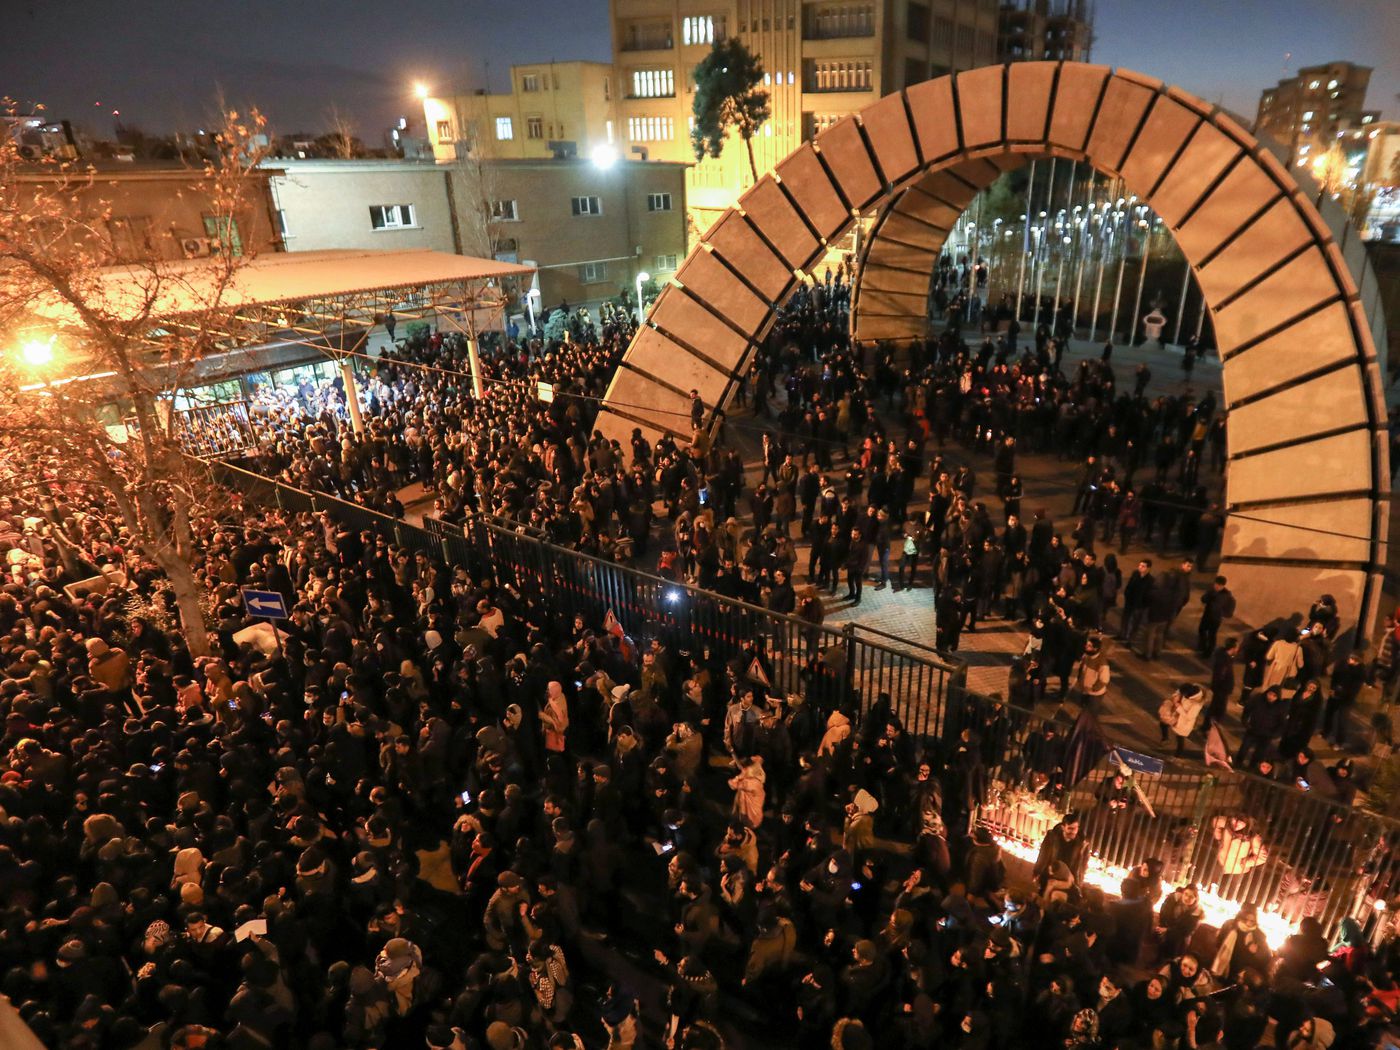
<point x="1239" y="850"/>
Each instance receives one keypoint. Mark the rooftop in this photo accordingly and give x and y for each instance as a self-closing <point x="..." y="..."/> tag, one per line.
<point x="187" y="287"/>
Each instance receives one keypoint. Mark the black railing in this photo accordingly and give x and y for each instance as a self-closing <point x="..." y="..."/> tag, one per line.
<point x="1312" y="856"/>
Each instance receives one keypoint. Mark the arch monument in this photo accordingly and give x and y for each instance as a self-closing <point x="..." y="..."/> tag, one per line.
<point x="1295" y="311"/>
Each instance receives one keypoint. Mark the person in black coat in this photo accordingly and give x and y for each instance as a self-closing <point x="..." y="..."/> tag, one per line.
<point x="1222" y="681"/>
<point x="1062" y="843"/>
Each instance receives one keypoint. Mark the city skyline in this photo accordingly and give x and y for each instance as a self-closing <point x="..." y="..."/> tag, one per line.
<point x="116" y="63"/>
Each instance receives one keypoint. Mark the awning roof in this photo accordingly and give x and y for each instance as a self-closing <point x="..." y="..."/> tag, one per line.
<point x="186" y="287"/>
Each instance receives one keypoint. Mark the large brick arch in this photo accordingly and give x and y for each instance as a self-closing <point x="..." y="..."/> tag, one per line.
<point x="1308" y="480"/>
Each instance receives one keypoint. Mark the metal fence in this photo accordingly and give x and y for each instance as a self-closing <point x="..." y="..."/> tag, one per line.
<point x="1292" y="853"/>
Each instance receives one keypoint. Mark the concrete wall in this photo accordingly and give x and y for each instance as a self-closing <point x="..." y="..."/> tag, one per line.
<point x="145" y="213"/>
<point x="560" y="242"/>
<point x="326" y="204"/>
<point x="1291" y="316"/>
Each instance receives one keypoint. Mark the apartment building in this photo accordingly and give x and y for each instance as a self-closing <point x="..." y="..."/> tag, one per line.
<point x="1307" y="114"/>
<point x="552" y="108"/>
<point x="1046" y="30"/>
<point x="824" y="60"/>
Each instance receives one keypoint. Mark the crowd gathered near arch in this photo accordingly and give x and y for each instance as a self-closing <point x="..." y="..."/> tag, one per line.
<point x="436" y="813"/>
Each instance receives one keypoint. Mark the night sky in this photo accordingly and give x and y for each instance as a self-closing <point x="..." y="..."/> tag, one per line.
<point x="161" y="62"/>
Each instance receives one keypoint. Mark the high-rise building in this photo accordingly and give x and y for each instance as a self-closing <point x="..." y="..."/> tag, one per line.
<point x="823" y="61"/>
<point x="1051" y="30"/>
<point x="1307" y="114"/>
<point x="552" y="109"/>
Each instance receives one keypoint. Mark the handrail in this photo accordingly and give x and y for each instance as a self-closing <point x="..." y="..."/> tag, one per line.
<point x="938" y="662"/>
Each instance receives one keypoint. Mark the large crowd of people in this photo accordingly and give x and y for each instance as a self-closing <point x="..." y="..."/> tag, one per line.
<point x="431" y="811"/>
<point x="436" y="813"/>
<point x="845" y="466"/>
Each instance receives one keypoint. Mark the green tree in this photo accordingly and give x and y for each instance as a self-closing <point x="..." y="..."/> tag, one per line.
<point x="555" y="327"/>
<point x="727" y="96"/>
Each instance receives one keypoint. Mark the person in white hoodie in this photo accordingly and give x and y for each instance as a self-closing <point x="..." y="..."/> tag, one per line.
<point x="1179" y="714"/>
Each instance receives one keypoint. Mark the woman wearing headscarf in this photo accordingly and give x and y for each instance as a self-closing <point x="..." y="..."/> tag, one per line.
<point x="1153" y="1008"/>
<point x="1304" y="710"/>
<point x="1241" y="945"/>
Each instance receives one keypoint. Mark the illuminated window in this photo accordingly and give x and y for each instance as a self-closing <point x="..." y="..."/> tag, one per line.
<point x="504" y="130"/>
<point x="698" y="29"/>
<point x="650" y="129"/>
<point x="653" y="83"/>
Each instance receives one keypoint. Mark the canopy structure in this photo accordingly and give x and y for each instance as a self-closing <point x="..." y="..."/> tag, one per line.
<point x="311" y="295"/>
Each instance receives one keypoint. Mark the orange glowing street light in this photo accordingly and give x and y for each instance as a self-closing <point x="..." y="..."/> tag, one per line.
<point x="421" y="90"/>
<point x="37" y="353"/>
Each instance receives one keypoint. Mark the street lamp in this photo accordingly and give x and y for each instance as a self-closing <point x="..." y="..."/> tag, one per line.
<point x="642" y="278"/>
<point x="604" y="157"/>
<point x="530" y="297"/>
<point x="37" y="353"/>
<point x="421" y="90"/>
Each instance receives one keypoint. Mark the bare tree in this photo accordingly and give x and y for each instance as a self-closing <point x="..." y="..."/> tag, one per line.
<point x="79" y="339"/>
<point x="340" y="142"/>
<point x="475" y="198"/>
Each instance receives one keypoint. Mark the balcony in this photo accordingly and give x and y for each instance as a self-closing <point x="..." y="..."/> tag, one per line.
<point x="838" y="23"/>
<point x="647" y="39"/>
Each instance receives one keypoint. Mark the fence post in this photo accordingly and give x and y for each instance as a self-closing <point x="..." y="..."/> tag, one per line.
<point x="1198" y="815"/>
<point x="848" y="631"/>
<point x="956" y="693"/>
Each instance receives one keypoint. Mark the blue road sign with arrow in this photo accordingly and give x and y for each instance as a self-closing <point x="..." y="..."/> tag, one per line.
<point x="270" y="605"/>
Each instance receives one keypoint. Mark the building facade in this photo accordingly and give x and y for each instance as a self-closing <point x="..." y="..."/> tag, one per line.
<point x="590" y="230"/>
<point x="376" y="204"/>
<point x="823" y="61"/>
<point x="1307" y="114"/>
<point x="552" y="108"/>
<point x="140" y="212"/>
<point x="1045" y="30"/>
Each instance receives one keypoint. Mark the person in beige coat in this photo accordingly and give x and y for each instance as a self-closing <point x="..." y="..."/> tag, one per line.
<point x="1179" y="713"/>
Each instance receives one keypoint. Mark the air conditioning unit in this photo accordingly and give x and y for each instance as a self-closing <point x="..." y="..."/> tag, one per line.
<point x="31" y="152"/>
<point x="198" y="247"/>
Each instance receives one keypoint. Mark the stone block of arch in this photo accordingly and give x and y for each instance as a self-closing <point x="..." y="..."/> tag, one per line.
<point x="1295" y="312"/>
